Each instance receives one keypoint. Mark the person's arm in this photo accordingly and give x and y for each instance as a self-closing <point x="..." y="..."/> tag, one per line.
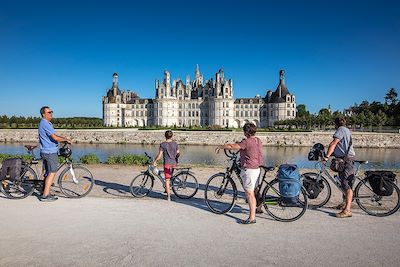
<point x="158" y="157"/>
<point x="331" y="148"/>
<point x="234" y="146"/>
<point x="58" y="138"/>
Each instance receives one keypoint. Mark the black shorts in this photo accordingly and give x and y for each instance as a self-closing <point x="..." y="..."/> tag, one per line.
<point x="347" y="175"/>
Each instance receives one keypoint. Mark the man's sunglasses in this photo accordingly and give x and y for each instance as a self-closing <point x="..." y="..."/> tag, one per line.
<point x="50" y="112"/>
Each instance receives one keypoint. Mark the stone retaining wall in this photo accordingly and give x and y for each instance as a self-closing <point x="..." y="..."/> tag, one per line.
<point x="134" y="136"/>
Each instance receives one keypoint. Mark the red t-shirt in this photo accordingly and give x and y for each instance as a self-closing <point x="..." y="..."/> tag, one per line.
<point x="251" y="153"/>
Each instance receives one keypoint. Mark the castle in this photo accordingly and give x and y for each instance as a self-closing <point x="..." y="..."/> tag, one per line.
<point x="196" y="103"/>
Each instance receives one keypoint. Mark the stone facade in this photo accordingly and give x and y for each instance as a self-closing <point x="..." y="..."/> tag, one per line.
<point x="196" y="104"/>
<point x="134" y="136"/>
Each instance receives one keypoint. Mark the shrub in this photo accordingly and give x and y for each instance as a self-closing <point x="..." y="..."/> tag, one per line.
<point x="7" y="156"/>
<point x="127" y="159"/>
<point x="90" y="159"/>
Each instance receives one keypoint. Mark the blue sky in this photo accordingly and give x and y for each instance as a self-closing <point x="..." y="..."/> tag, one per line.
<point x="63" y="53"/>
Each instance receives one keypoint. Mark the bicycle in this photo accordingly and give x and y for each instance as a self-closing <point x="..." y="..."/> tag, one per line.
<point x="74" y="180"/>
<point x="221" y="193"/>
<point x="364" y="195"/>
<point x="184" y="184"/>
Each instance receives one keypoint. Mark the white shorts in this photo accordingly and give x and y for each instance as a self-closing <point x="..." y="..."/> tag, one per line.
<point x="250" y="178"/>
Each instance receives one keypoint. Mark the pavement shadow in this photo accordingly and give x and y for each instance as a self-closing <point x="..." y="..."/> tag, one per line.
<point x="114" y="189"/>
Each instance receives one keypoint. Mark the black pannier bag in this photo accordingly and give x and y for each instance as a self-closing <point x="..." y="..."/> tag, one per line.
<point x="380" y="182"/>
<point x="11" y="169"/>
<point x="312" y="186"/>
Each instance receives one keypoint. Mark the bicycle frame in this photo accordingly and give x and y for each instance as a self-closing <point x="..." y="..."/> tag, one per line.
<point x="321" y="166"/>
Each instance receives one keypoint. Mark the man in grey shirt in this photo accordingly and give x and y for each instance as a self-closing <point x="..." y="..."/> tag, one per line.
<point x="342" y="147"/>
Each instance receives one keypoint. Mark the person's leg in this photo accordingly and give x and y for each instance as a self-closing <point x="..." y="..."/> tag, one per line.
<point x="168" y="175"/>
<point x="51" y="163"/>
<point x="347" y="178"/>
<point x="249" y="182"/>
<point x="349" y="199"/>
<point x="48" y="181"/>
<point x="252" y="204"/>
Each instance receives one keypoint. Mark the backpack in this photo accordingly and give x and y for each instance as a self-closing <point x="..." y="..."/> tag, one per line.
<point x="312" y="186"/>
<point x="289" y="184"/>
<point x="381" y="182"/>
<point x="11" y="169"/>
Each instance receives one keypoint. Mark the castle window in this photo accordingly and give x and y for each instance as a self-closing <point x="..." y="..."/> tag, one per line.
<point x="251" y="106"/>
<point x="180" y="114"/>
<point x="272" y="113"/>
<point x="246" y="113"/>
<point x="246" y="106"/>
<point x="227" y="104"/>
<point x="197" y="113"/>
<point x="288" y="113"/>
<point x="264" y="113"/>
<point x="255" y="113"/>
<point x="227" y="113"/>
<point x="241" y="113"/>
<point x="180" y="105"/>
<point x="237" y="113"/>
<point x="293" y="113"/>
<point x="197" y="105"/>
<point x="288" y="105"/>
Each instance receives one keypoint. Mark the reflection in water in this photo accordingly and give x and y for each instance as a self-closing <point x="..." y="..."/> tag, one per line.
<point x="378" y="157"/>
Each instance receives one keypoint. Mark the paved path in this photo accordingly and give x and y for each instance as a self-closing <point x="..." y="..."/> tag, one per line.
<point x="153" y="232"/>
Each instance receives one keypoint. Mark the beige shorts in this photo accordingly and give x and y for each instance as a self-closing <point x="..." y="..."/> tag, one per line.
<point x="250" y="178"/>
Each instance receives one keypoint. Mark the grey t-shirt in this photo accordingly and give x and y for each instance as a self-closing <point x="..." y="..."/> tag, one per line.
<point x="344" y="135"/>
<point x="169" y="150"/>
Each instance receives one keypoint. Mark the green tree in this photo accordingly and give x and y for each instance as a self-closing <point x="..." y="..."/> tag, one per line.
<point x="391" y="97"/>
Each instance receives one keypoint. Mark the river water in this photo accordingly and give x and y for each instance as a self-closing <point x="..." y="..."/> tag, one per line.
<point x="379" y="158"/>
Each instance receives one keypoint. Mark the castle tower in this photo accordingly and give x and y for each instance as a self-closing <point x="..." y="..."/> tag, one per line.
<point x="115" y="84"/>
<point x="167" y="83"/>
<point x="188" y="87"/>
<point x="198" y="81"/>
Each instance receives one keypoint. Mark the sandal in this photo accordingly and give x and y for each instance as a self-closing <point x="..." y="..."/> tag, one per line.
<point x="247" y="221"/>
<point x="344" y="214"/>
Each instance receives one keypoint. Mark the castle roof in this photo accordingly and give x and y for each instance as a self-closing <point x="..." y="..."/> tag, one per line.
<point x="279" y="96"/>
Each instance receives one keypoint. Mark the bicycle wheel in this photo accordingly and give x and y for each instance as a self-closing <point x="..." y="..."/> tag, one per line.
<point x="184" y="185"/>
<point x="220" y="193"/>
<point x="75" y="181"/>
<point x="141" y="185"/>
<point x="275" y="207"/>
<point x="373" y="204"/>
<point x="323" y="197"/>
<point x="20" y="188"/>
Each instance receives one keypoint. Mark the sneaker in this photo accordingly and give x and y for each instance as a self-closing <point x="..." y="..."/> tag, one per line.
<point x="168" y="198"/>
<point x="48" y="198"/>
<point x="344" y="214"/>
<point x="247" y="221"/>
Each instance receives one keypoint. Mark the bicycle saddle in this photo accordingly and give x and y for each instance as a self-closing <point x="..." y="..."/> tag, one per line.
<point x="29" y="147"/>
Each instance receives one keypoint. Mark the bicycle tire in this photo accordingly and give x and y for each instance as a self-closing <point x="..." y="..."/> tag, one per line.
<point x="145" y="183"/>
<point x="273" y="203"/>
<point x="321" y="200"/>
<point x="218" y="186"/>
<point x="180" y="184"/>
<point x="79" y="188"/>
<point x="373" y="199"/>
<point x="21" y="188"/>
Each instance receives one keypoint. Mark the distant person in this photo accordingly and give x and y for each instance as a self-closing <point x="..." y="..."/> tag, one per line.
<point x="48" y="141"/>
<point x="341" y="147"/>
<point x="250" y="161"/>
<point x="170" y="152"/>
